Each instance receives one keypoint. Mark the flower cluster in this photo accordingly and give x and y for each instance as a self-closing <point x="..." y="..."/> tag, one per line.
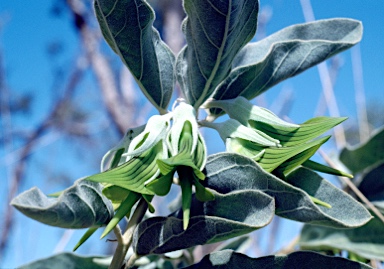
<point x="144" y="163"/>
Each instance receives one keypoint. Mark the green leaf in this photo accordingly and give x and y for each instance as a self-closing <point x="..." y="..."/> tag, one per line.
<point x="366" y="241"/>
<point x="133" y="174"/>
<point x="263" y="64"/>
<point x="359" y="157"/>
<point x="80" y="206"/>
<point x="228" y="216"/>
<point x="343" y="205"/>
<point x="85" y="237"/>
<point x="228" y="259"/>
<point x="372" y="183"/>
<point x="228" y="172"/>
<point x="127" y="26"/>
<point x="215" y="32"/>
<point x="68" y="261"/>
<point x="123" y="210"/>
<point x="325" y="169"/>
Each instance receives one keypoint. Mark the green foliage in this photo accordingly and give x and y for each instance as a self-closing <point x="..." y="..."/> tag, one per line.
<point x="79" y="206"/>
<point x="230" y="259"/>
<point x="225" y="195"/>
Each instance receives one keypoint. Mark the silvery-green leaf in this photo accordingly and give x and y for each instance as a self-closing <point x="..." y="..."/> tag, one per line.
<point x="155" y="130"/>
<point x="215" y="32"/>
<point x="68" y="261"/>
<point x="372" y="183"/>
<point x="228" y="216"/>
<point x="263" y="64"/>
<point x="243" y="111"/>
<point x="227" y="172"/>
<point x="366" y="241"/>
<point x="228" y="259"/>
<point x="127" y="26"/>
<point x="80" y="206"/>
<point x="135" y="173"/>
<point x="359" y="157"/>
<point x="233" y="129"/>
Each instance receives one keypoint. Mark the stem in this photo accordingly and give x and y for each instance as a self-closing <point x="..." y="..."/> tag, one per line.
<point x="125" y="240"/>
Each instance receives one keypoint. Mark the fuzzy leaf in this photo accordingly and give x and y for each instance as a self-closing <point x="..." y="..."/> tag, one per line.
<point x="366" y="241"/>
<point x="80" y="206"/>
<point x="228" y="259"/>
<point x="68" y="261"/>
<point x="364" y="155"/>
<point x="263" y="64"/>
<point x="228" y="216"/>
<point x="227" y="172"/>
<point x="215" y="32"/>
<point x="127" y="26"/>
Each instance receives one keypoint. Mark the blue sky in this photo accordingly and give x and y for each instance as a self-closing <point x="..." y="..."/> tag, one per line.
<point x="27" y="28"/>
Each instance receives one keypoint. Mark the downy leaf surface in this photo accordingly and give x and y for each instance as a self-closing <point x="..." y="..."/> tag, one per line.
<point x="288" y="52"/>
<point x="127" y="26"/>
<point x="301" y="259"/>
<point x="80" y="206"/>
<point x="229" y="215"/>
<point x="215" y="32"/>
<point x="227" y="172"/>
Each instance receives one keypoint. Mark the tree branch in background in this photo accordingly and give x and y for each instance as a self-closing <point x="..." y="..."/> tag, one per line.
<point x="121" y="115"/>
<point x="326" y="82"/>
<point x="32" y="140"/>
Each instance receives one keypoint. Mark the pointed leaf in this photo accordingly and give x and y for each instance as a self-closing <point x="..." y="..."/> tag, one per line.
<point x="285" y="54"/>
<point x="325" y="169"/>
<point x="80" y="206"/>
<point x="85" y="237"/>
<point x="127" y="26"/>
<point x="227" y="172"/>
<point x="359" y="157"/>
<point x="366" y="241"/>
<point x="228" y="216"/>
<point x="68" y="260"/>
<point x="228" y="259"/>
<point x="215" y="32"/>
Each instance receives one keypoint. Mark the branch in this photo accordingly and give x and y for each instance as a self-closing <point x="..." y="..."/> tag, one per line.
<point x="121" y="116"/>
<point x="326" y="82"/>
<point x="28" y="147"/>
